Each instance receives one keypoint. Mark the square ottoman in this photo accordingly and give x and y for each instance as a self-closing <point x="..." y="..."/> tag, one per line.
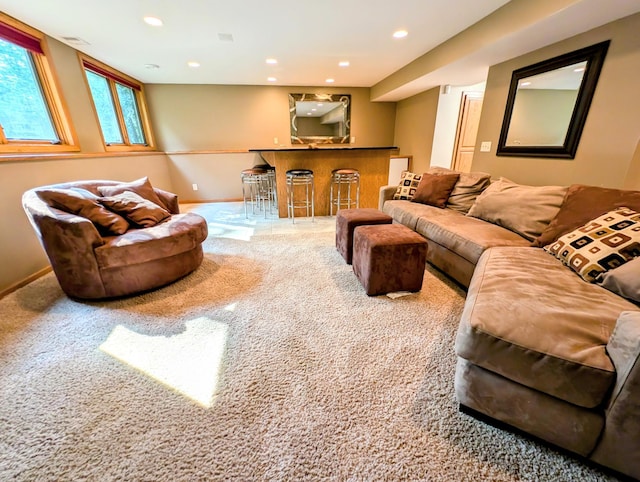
<point x="346" y="222"/>
<point x="388" y="257"/>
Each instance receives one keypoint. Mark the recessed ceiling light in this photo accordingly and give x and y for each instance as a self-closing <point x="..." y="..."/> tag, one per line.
<point x="330" y="81"/>
<point x="153" y="21"/>
<point x="343" y="63"/>
<point x="193" y="64"/>
<point x="400" y="34"/>
<point x="225" y="37"/>
<point x="151" y="66"/>
<point x="271" y="79"/>
<point x="271" y="61"/>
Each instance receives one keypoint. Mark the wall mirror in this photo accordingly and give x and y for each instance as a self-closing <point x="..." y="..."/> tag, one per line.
<point x="548" y="104"/>
<point x="320" y="118"/>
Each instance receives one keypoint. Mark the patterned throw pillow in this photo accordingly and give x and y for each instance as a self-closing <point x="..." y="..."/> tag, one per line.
<point x="600" y="245"/>
<point x="408" y="184"/>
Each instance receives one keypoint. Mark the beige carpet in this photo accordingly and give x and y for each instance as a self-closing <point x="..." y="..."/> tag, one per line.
<point x="268" y="363"/>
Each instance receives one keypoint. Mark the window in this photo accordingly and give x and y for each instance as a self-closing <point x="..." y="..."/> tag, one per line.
<point x="32" y="115"/>
<point x="119" y="105"/>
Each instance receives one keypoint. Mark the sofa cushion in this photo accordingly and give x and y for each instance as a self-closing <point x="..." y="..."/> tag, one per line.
<point x="135" y="208"/>
<point x="466" y="236"/>
<point x="141" y="187"/>
<point x="408" y="184"/>
<point x="466" y="190"/>
<point x="84" y="203"/>
<point x="583" y="203"/>
<point x="179" y="234"/>
<point x="623" y="280"/>
<point x="531" y="320"/>
<point x="601" y="244"/>
<point x="435" y="189"/>
<point x="526" y="210"/>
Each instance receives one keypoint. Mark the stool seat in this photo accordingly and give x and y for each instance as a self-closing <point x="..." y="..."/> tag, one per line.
<point x="348" y="219"/>
<point x="299" y="172"/>
<point x="388" y="258"/>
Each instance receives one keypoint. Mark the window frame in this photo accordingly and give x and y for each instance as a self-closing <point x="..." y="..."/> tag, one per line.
<point x="112" y="76"/>
<point x="51" y="95"/>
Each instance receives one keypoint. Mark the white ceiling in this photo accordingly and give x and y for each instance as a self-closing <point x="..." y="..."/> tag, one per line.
<point x="307" y="38"/>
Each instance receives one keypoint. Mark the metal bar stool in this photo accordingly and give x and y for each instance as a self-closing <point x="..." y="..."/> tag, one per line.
<point x="344" y="180"/>
<point x="256" y="190"/>
<point x="302" y="179"/>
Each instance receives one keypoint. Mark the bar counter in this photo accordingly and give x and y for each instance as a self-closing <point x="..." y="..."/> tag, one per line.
<point x="372" y="162"/>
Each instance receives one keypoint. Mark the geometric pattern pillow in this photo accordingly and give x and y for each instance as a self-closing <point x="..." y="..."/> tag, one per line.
<point x="601" y="244"/>
<point x="408" y="184"/>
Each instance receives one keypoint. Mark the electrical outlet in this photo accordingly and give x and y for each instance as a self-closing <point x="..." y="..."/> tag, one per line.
<point x="194" y="186"/>
<point x="485" y="146"/>
<point x="275" y="141"/>
<point x="353" y="139"/>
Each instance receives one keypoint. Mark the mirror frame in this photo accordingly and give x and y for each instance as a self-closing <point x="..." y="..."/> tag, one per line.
<point x="345" y="99"/>
<point x="594" y="56"/>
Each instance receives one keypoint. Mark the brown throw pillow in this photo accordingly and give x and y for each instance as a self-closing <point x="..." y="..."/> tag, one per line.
<point x="135" y="208"/>
<point x="434" y="189"/>
<point x="584" y="203"/>
<point x="73" y="201"/>
<point x="141" y="186"/>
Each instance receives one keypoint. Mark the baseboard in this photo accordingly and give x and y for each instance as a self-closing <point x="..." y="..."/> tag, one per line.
<point x="25" y="282"/>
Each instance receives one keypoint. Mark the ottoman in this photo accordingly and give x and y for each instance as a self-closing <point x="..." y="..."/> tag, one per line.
<point x="346" y="222"/>
<point x="388" y="257"/>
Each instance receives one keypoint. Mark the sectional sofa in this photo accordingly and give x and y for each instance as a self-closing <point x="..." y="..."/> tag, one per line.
<point x="545" y="344"/>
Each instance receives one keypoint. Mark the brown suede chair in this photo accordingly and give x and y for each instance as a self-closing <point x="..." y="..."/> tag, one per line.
<point x="92" y="264"/>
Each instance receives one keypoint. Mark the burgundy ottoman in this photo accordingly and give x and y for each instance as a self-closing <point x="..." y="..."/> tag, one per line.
<point x="389" y="257"/>
<point x="346" y="222"/>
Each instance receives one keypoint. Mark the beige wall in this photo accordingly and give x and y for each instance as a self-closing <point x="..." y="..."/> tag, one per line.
<point x="612" y="129"/>
<point x="192" y="118"/>
<point x="206" y="117"/>
<point x="415" y="125"/>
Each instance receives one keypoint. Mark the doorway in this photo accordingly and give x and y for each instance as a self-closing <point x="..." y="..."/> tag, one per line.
<point x="468" y="122"/>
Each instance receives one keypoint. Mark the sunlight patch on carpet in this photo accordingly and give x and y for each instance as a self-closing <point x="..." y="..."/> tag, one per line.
<point x="189" y="362"/>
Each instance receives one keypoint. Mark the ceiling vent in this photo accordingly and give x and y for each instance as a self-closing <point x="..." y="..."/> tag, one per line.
<point x="225" y="37"/>
<point x="75" y="41"/>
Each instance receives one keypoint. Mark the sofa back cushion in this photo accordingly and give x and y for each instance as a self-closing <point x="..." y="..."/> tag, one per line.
<point x="466" y="190"/>
<point x="526" y="210"/>
<point x="582" y="204"/>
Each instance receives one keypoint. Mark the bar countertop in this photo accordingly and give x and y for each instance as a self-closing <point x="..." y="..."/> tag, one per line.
<point x="327" y="148"/>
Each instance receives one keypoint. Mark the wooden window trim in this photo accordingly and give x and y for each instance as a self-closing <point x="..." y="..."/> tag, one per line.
<point x="56" y="104"/>
<point x="112" y="77"/>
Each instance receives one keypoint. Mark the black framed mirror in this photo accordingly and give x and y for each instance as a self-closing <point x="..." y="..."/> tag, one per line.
<point x="548" y="104"/>
<point x="320" y="118"/>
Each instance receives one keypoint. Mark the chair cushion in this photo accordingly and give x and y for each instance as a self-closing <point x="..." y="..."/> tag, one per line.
<point x="530" y="319"/>
<point x="83" y="203"/>
<point x="138" y="210"/>
<point x="180" y="233"/>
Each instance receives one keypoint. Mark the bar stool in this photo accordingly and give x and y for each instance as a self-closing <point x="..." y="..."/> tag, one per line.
<point x="256" y="190"/>
<point x="303" y="179"/>
<point x="271" y="179"/>
<point x="344" y="180"/>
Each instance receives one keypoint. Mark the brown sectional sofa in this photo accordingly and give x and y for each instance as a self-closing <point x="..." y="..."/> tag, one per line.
<point x="110" y="257"/>
<point x="538" y="347"/>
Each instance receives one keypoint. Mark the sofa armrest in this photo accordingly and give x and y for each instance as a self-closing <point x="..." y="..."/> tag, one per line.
<point x="386" y="193"/>
<point x="169" y="199"/>
<point x="619" y="445"/>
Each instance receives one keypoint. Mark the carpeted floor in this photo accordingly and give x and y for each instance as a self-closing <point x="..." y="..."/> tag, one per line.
<point x="268" y="363"/>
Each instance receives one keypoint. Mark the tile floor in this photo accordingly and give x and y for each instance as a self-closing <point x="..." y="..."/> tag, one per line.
<point x="227" y="219"/>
